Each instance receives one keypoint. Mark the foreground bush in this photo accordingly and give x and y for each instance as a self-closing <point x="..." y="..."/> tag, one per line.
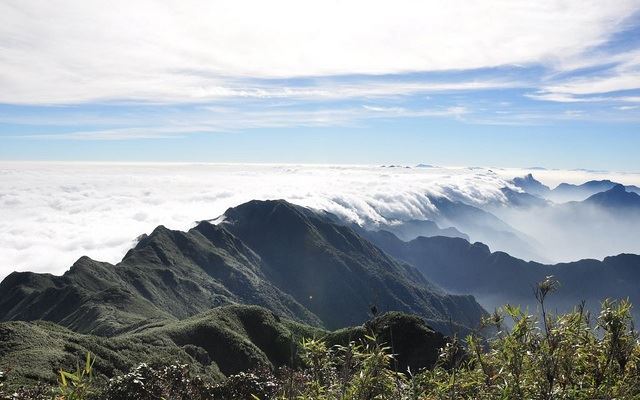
<point x="566" y="356"/>
<point x="551" y="357"/>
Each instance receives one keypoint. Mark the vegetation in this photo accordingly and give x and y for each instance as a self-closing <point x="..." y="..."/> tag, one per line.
<point x="77" y="385"/>
<point x="221" y="342"/>
<point x="543" y="356"/>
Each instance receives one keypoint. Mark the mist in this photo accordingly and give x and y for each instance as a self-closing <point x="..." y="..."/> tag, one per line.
<point x="53" y="213"/>
<point x="573" y="231"/>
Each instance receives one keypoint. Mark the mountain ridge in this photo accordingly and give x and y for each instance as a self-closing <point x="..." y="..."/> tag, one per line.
<point x="292" y="260"/>
<point x="497" y="278"/>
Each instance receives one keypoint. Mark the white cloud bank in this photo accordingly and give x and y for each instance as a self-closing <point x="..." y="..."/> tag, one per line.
<point x="51" y="214"/>
<point x="166" y="51"/>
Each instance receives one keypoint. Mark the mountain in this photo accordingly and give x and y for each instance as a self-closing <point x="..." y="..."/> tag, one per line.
<point x="565" y="192"/>
<point x="496" y="278"/>
<point x="616" y="199"/>
<point x="291" y="260"/>
<point x="483" y="226"/>
<point x="521" y="199"/>
<point x="532" y="186"/>
<point x="411" y="229"/>
<point x="569" y="192"/>
<point x="604" y="224"/>
<point x="223" y="341"/>
<point x="425" y="166"/>
<point x="169" y="274"/>
<point x="334" y="272"/>
<point x="511" y="202"/>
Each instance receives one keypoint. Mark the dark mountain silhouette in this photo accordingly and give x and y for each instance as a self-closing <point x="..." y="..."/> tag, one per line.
<point x="531" y="185"/>
<point x="289" y="259"/>
<point x="496" y="278"/>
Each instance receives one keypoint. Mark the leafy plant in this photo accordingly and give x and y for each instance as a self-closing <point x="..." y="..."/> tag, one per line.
<point x="76" y="385"/>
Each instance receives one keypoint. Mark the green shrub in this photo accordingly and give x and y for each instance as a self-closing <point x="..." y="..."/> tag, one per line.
<point x="37" y="392"/>
<point x="544" y="356"/>
<point x="256" y="385"/>
<point x="148" y="383"/>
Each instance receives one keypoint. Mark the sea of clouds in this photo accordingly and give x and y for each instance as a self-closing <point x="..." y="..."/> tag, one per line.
<point x="53" y="213"/>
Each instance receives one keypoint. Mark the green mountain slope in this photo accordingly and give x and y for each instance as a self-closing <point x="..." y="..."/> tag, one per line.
<point x="294" y="261"/>
<point x="169" y="274"/>
<point x="222" y="341"/>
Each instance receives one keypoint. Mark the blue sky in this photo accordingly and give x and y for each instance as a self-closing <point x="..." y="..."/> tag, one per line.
<point x="554" y="84"/>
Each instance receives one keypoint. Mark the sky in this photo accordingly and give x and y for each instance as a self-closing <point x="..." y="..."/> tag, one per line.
<point x="508" y="83"/>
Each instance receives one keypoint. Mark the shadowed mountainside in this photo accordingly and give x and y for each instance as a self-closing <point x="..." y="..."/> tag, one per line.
<point x="498" y="278"/>
<point x="334" y="272"/>
<point x="294" y="261"/>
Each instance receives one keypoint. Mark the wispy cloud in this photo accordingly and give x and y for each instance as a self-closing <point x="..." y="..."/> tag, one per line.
<point x="611" y="83"/>
<point x="215" y="119"/>
<point x="175" y="51"/>
<point x="148" y="69"/>
<point x="596" y="85"/>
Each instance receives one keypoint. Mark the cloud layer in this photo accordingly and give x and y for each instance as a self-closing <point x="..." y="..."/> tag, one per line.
<point x="51" y="214"/>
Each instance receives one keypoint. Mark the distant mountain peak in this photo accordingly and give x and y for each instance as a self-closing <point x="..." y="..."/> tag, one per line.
<point x="601" y="181"/>
<point x="262" y="208"/>
<point x="408" y="230"/>
<point x="597" y="185"/>
<point x="570" y="192"/>
<point x="531" y="185"/>
<point x="618" y="188"/>
<point x="617" y="197"/>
